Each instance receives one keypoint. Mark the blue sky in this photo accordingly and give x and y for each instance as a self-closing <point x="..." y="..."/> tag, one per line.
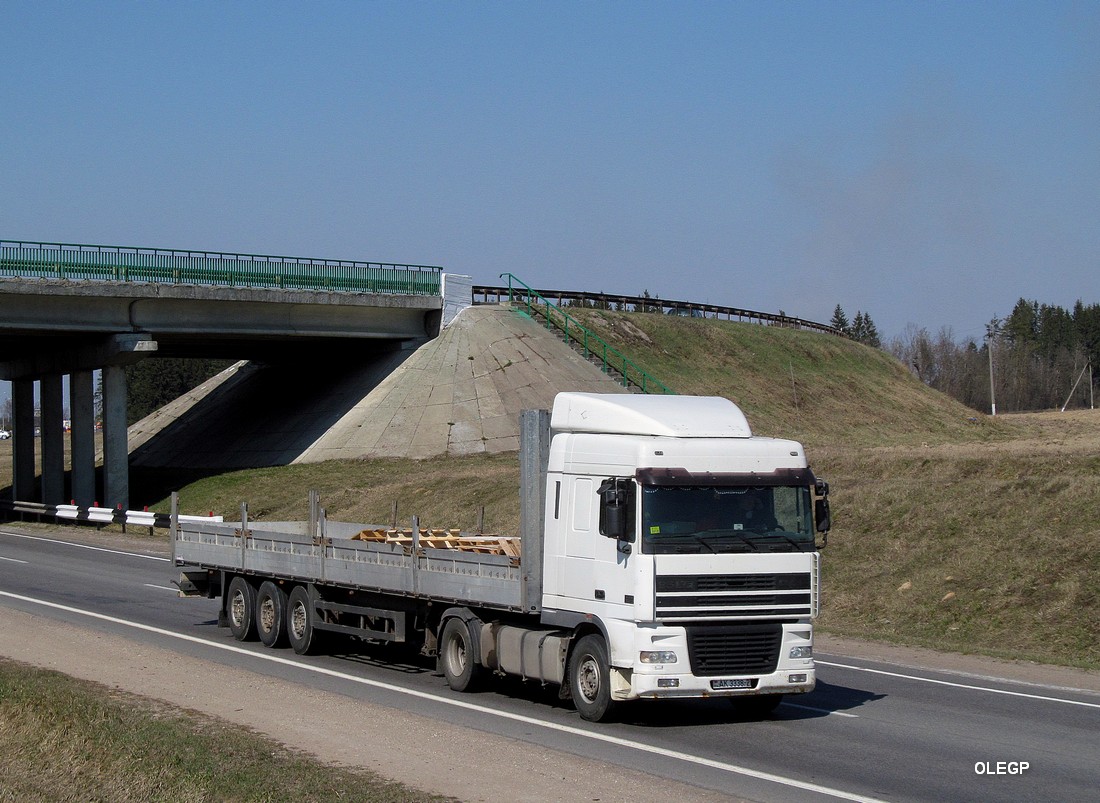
<point x="927" y="163"/>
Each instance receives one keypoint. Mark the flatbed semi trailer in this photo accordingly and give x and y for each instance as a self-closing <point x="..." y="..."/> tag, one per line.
<point x="664" y="551"/>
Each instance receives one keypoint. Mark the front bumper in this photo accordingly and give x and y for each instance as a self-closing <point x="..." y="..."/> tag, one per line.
<point x="661" y="686"/>
<point x="675" y="679"/>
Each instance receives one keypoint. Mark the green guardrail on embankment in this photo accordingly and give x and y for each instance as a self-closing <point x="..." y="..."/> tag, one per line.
<point x="591" y="345"/>
<point x="20" y="259"/>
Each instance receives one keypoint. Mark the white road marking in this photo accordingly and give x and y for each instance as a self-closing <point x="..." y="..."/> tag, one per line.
<point x="960" y="685"/>
<point x="85" y="546"/>
<point x="12" y="560"/>
<point x="820" y="710"/>
<point x="584" y="734"/>
<point x="173" y="589"/>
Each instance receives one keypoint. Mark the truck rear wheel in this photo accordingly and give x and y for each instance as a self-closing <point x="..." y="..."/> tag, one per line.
<point x="271" y="614"/>
<point x="456" y="655"/>
<point x="240" y="609"/>
<point x="299" y="622"/>
<point x="590" y="678"/>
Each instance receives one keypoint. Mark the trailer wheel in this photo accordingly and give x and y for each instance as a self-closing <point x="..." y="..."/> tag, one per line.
<point x="590" y="678"/>
<point x="299" y="622"/>
<point x="240" y="609"/>
<point x="271" y="614"/>
<point x="456" y="655"/>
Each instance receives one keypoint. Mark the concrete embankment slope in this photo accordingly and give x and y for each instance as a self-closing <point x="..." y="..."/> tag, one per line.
<point x="460" y="393"/>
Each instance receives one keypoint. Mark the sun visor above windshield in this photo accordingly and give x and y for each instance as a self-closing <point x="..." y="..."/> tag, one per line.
<point x="681" y="476"/>
<point x="669" y="416"/>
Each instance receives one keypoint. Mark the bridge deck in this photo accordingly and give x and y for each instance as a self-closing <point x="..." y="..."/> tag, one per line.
<point x="170" y="266"/>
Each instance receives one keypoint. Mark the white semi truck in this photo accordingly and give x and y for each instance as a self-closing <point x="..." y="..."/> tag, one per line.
<point x="665" y="552"/>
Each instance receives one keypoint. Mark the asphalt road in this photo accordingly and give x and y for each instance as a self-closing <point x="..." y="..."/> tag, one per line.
<point x="871" y="730"/>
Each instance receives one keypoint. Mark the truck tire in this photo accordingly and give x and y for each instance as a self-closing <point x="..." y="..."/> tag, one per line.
<point x="240" y="609"/>
<point x="457" y="656"/>
<point x="299" y="622"/>
<point x="590" y="678"/>
<point x="271" y="614"/>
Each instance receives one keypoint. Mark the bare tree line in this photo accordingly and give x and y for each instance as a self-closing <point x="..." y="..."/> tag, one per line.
<point x="1037" y="358"/>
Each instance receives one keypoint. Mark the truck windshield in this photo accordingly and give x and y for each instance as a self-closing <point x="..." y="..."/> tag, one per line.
<point x="708" y="519"/>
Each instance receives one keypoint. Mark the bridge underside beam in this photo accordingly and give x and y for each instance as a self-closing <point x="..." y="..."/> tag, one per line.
<point x="59" y="355"/>
<point x="62" y="306"/>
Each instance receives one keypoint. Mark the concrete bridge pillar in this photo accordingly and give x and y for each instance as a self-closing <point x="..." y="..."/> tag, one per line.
<point x="82" y="439"/>
<point x="51" y="406"/>
<point x="111" y="354"/>
<point x="23" y="462"/>
<point x="116" y="474"/>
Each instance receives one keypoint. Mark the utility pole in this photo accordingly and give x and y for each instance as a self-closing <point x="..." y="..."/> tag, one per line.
<point x="992" y="328"/>
<point x="1088" y="368"/>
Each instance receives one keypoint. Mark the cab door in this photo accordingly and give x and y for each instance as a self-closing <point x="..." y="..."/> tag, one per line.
<point x="616" y="564"/>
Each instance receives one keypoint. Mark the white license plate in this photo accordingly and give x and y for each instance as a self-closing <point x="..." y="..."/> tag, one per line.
<point x="737" y="683"/>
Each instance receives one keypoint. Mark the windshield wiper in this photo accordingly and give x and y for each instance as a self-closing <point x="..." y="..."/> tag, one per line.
<point x="796" y="544"/>
<point x="697" y="537"/>
<point x="725" y="534"/>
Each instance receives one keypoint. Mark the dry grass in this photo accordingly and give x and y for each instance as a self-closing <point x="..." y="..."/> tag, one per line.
<point x="969" y="547"/>
<point x="445" y="492"/>
<point x="67" y="740"/>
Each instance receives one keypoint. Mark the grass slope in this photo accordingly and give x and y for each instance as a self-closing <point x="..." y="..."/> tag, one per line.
<point x="816" y="388"/>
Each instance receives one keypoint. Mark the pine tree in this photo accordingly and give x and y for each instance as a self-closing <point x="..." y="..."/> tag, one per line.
<point x="866" y="331"/>
<point x="840" y="321"/>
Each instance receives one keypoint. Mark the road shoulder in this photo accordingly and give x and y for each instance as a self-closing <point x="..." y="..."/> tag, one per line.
<point x="424" y="753"/>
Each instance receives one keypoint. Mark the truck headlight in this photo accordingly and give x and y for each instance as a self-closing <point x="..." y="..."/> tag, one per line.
<point x="802" y="652"/>
<point x="657" y="657"/>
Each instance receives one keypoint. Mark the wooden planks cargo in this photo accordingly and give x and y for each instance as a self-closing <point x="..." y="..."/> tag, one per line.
<point x="445" y="539"/>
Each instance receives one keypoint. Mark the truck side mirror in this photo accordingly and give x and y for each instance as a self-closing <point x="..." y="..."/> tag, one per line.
<point x="821" y="510"/>
<point x="821" y="513"/>
<point x="617" y="508"/>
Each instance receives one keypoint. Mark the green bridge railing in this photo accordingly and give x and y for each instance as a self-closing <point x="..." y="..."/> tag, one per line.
<point x="171" y="266"/>
<point x="590" y="344"/>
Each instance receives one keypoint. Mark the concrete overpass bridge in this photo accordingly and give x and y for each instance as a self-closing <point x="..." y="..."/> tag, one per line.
<point x="69" y="310"/>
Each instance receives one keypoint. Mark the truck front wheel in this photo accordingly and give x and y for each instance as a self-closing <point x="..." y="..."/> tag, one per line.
<point x="240" y="609"/>
<point x="456" y="655"/>
<point x="590" y="678"/>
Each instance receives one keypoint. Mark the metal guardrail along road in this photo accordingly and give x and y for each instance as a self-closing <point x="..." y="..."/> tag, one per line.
<point x="99" y="516"/>
<point x="663" y="306"/>
<point x="171" y="266"/>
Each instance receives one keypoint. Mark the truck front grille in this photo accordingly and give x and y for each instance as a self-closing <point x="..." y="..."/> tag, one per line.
<point x="742" y="596"/>
<point x="741" y="649"/>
